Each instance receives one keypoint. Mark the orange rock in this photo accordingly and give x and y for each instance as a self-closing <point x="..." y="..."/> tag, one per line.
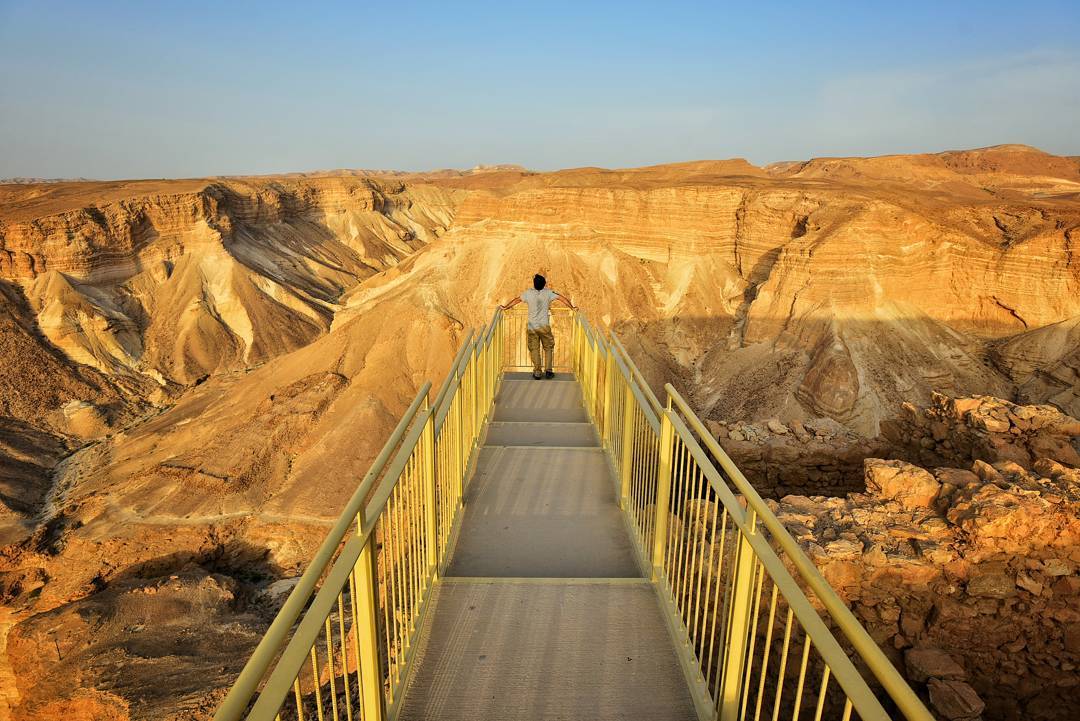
<point x="912" y="486"/>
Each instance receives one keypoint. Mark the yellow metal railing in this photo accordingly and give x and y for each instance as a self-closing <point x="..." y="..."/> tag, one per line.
<point x="361" y="600"/>
<point x="516" y="354"/>
<point x="755" y="641"/>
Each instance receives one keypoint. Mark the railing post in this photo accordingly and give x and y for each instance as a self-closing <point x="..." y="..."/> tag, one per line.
<point x="734" y="654"/>
<point x="372" y="699"/>
<point x="594" y="379"/>
<point x="605" y="426"/>
<point x="430" y="511"/>
<point x="663" y="493"/>
<point x="459" y="474"/>
<point x="626" y="469"/>
<point x="473" y="396"/>
<point x="489" y="381"/>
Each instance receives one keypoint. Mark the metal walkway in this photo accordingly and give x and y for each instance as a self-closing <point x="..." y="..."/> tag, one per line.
<point x="543" y="612"/>
<point x="561" y="549"/>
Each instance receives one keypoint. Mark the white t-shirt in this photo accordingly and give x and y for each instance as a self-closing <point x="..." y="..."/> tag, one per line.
<point x="539" y="302"/>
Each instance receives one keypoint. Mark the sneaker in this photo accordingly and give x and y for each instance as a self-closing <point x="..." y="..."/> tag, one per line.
<point x="537" y="376"/>
<point x="550" y="374"/>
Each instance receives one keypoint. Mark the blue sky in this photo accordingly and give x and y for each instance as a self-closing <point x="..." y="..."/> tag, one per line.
<point x="147" y="89"/>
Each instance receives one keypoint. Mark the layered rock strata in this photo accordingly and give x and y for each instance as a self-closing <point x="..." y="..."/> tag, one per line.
<point x="197" y="372"/>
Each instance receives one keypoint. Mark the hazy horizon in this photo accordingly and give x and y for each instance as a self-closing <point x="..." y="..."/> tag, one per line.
<point x="126" y="91"/>
<point x="419" y="171"/>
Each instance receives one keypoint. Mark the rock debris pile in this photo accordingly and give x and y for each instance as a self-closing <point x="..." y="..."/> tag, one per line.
<point x="815" y="456"/>
<point x="957" y="431"/>
<point x="979" y="562"/>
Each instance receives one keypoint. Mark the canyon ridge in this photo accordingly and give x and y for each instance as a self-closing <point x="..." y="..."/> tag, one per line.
<point x="196" y="373"/>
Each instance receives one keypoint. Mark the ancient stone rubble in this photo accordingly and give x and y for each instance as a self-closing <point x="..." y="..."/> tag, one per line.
<point x="957" y="431"/>
<point x="967" y="575"/>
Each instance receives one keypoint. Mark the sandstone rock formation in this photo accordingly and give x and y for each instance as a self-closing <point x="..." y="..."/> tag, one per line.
<point x="982" y="564"/>
<point x="196" y="372"/>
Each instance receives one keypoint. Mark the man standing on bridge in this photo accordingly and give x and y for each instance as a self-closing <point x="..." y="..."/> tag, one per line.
<point x="538" y="329"/>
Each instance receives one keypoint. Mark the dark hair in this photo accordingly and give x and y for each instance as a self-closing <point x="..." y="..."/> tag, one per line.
<point x="539" y="281"/>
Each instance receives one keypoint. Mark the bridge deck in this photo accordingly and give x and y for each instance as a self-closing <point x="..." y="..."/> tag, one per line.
<point x="543" y="613"/>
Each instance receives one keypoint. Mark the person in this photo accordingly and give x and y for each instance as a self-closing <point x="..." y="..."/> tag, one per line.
<point x="538" y="328"/>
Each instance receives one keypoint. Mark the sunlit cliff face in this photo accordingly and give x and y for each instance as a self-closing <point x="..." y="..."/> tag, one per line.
<point x="196" y="373"/>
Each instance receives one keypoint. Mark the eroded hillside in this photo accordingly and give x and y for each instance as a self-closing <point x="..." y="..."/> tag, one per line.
<point x="197" y="372"/>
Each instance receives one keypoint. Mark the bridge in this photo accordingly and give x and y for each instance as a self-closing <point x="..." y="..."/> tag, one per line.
<point x="561" y="549"/>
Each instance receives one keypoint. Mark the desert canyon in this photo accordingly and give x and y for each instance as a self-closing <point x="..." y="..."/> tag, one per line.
<point x="195" y="373"/>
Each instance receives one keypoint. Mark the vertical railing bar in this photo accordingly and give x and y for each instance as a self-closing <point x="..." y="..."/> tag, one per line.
<point x="330" y="669"/>
<point x="692" y="552"/>
<point x="651" y="477"/>
<point x="407" y="513"/>
<point x="766" y="651"/>
<point x="686" y="551"/>
<point x="742" y="586"/>
<point x="315" y="681"/>
<point x="356" y="645"/>
<point x="299" y="699"/>
<point x="431" y="502"/>
<point x="716" y="601"/>
<point x="663" y="495"/>
<point x="389" y="592"/>
<point x="802" y="676"/>
<point x="759" y="573"/>
<point x="366" y="594"/>
<point x="393" y="563"/>
<point x="676" y="510"/>
<point x="783" y="666"/>
<point x="702" y="564"/>
<point x="344" y="653"/>
<point x="822" y="691"/>
<point x="403" y="583"/>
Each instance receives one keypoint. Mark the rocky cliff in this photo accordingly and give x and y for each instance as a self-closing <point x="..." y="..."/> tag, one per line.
<point x="197" y="372"/>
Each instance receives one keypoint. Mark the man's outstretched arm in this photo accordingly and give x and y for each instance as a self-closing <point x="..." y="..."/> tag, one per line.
<point x="511" y="304"/>
<point x="566" y="301"/>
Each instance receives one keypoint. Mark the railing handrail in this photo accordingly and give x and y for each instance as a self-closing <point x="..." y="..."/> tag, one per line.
<point x="860" y="639"/>
<point x="451" y="375"/>
<point x="657" y="407"/>
<point x="296" y="652"/>
<point x="641" y="395"/>
<point x="424" y="465"/>
<point x="842" y="667"/>
<point x="693" y="435"/>
<point x="247" y="683"/>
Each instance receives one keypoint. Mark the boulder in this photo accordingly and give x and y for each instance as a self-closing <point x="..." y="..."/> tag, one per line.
<point x="925" y="663"/>
<point x="1055" y="448"/>
<point x="1072" y="638"/>
<point x="955" y="700"/>
<point x="995" y="584"/>
<point x="911" y="486"/>
<point x="956" y="477"/>
<point x="777" y="427"/>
